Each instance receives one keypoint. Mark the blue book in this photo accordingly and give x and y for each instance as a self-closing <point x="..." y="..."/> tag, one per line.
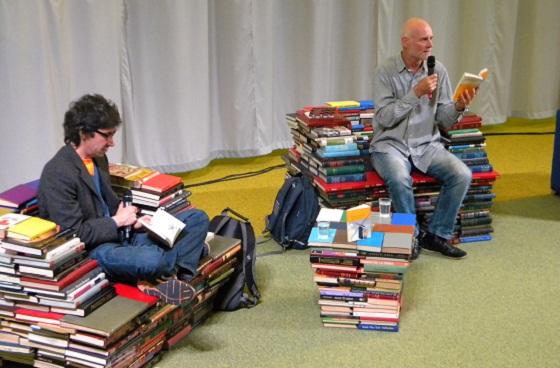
<point x="403" y="219"/>
<point x="475" y="238"/>
<point x="371" y="327"/>
<point x="314" y="237"/>
<point x="340" y="147"/>
<point x="324" y="154"/>
<point x="371" y="244"/>
<point x="366" y="104"/>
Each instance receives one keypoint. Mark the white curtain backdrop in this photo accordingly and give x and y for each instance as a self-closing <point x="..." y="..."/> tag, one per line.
<point x="197" y="80"/>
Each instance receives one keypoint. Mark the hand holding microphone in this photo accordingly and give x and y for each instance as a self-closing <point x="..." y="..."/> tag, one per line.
<point x="126" y="216"/>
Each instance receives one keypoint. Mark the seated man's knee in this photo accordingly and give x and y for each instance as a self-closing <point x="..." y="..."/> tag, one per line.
<point x="194" y="216"/>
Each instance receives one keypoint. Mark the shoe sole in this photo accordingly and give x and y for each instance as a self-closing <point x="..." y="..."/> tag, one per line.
<point x="172" y="292"/>
<point x="441" y="254"/>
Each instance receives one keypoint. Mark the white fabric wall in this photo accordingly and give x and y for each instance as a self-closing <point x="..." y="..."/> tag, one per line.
<point x="197" y="80"/>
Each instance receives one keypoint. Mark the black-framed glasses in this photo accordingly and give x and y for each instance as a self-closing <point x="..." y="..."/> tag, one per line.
<point x="107" y="136"/>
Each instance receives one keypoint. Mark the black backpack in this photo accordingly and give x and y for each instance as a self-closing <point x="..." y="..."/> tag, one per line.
<point x="294" y="212"/>
<point x="232" y="295"/>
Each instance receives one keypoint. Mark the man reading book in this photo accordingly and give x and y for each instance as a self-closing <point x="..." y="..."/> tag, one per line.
<point x="412" y="102"/>
<point x="75" y="192"/>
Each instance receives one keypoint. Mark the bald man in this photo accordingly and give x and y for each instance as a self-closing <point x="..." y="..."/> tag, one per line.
<point x="410" y="106"/>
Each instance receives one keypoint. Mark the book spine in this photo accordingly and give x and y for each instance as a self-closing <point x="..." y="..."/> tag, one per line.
<point x="340" y="170"/>
<point x="326" y="154"/>
<point x="373" y="327"/>
<point x="340" y="147"/>
<point x="334" y="179"/>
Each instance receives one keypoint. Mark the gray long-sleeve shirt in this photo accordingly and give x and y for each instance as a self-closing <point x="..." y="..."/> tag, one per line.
<point x="403" y="123"/>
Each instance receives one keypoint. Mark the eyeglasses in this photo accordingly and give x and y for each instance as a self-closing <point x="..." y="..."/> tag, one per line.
<point x="107" y="136"/>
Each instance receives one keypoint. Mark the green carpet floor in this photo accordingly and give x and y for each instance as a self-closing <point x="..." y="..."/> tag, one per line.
<point x="499" y="307"/>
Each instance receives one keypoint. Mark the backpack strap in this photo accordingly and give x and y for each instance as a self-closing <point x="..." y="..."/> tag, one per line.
<point x="249" y="300"/>
<point x="225" y="219"/>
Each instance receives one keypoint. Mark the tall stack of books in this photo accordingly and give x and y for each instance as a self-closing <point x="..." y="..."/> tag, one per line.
<point x="359" y="264"/>
<point x="21" y="198"/>
<point x="150" y="189"/>
<point x="465" y="140"/>
<point x="331" y="143"/>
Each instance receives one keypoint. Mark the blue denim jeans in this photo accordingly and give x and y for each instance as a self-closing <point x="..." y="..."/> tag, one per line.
<point x="143" y="259"/>
<point x="453" y="175"/>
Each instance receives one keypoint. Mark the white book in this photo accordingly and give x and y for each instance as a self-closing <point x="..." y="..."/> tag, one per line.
<point x="163" y="226"/>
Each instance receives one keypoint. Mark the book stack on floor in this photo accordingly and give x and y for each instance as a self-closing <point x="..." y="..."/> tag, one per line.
<point x="466" y="141"/>
<point x="150" y="189"/>
<point x="331" y="143"/>
<point x="58" y="308"/>
<point x="21" y="198"/>
<point x="44" y="276"/>
<point x="359" y="263"/>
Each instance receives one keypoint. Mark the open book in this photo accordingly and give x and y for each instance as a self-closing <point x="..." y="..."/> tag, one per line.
<point x="163" y="226"/>
<point x="469" y="81"/>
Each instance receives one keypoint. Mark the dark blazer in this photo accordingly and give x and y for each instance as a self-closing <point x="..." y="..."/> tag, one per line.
<point x="68" y="197"/>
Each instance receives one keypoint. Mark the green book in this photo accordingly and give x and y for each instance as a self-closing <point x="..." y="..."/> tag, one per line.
<point x="114" y="318"/>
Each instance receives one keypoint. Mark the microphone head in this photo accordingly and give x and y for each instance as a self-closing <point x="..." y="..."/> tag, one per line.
<point x="127" y="197"/>
<point x="431" y="62"/>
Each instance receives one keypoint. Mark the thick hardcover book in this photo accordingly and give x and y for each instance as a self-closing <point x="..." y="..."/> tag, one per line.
<point x="344" y="178"/>
<point x="114" y="318"/>
<point x="342" y="170"/>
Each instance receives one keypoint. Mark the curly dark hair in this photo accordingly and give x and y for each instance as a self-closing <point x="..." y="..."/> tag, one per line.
<point x="88" y="114"/>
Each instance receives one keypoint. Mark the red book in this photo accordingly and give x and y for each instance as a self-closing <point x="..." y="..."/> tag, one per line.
<point x="81" y="270"/>
<point x="38" y="316"/>
<point x="161" y="183"/>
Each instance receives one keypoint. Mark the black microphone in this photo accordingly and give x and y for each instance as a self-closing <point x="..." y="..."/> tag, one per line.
<point x="127" y="201"/>
<point x="431" y="64"/>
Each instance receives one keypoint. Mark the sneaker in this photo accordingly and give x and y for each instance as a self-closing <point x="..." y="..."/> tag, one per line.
<point x="172" y="291"/>
<point x="438" y="244"/>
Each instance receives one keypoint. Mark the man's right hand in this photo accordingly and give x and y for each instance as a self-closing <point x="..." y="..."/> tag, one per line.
<point x="426" y="86"/>
<point x="125" y="215"/>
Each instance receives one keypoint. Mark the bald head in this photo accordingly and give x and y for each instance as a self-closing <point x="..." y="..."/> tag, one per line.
<point x="416" y="41"/>
<point x="413" y="25"/>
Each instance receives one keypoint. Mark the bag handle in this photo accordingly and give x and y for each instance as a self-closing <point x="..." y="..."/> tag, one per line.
<point x="237" y="214"/>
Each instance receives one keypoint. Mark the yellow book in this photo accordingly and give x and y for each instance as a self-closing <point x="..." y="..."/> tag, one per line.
<point x="469" y="81"/>
<point x="349" y="103"/>
<point x="31" y="228"/>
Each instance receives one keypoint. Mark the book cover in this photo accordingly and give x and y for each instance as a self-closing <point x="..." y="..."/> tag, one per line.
<point x="469" y="81"/>
<point x="163" y="226"/>
<point x="116" y="315"/>
<point x="20" y="194"/>
<point x="161" y="183"/>
<point x="10" y="219"/>
<point x="31" y="228"/>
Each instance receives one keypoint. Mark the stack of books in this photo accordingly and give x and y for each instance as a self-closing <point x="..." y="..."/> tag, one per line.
<point x="331" y="143"/>
<point x="150" y="189"/>
<point x="45" y="275"/>
<point x="21" y="198"/>
<point x="359" y="264"/>
<point x="347" y="181"/>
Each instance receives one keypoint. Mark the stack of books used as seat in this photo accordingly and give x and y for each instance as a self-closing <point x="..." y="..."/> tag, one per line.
<point x="359" y="266"/>
<point x="21" y="198"/>
<point x="150" y="189"/>
<point x="45" y="275"/>
<point x="58" y="309"/>
<point x="331" y="143"/>
<point x="465" y="140"/>
<point x="343" y="182"/>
